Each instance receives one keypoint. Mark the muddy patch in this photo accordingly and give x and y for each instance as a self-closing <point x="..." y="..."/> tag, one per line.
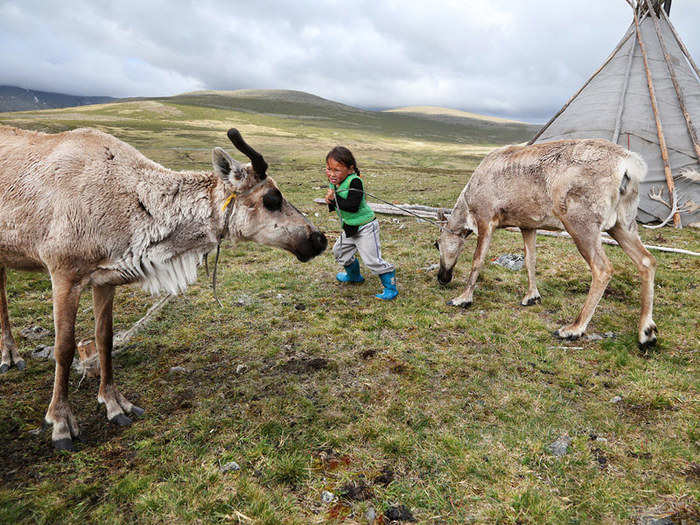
<point x="305" y="365"/>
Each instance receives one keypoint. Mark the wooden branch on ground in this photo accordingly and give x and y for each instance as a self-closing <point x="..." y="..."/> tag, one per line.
<point x="92" y="363"/>
<point x="431" y="213"/>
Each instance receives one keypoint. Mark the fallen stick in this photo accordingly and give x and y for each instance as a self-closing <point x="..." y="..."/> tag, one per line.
<point x="431" y="213"/>
<point x="92" y="363"/>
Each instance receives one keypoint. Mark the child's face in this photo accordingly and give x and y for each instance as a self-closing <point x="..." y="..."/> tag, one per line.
<point x="337" y="171"/>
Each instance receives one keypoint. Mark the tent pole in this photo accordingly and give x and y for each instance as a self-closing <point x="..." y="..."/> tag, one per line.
<point x="659" y="129"/>
<point x="621" y="104"/>
<point x="612" y="55"/>
<point x="681" y="99"/>
<point x="681" y="44"/>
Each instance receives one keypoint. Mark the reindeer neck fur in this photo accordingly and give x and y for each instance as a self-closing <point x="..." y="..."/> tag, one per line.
<point x="461" y="215"/>
<point x="181" y="221"/>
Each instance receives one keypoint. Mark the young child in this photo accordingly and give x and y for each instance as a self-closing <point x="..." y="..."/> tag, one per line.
<point x="360" y="227"/>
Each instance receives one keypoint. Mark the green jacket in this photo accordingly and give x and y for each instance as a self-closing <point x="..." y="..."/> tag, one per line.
<point x="353" y="217"/>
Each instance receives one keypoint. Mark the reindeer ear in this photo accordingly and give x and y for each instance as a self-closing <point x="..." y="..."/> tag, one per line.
<point x="225" y="166"/>
<point x="441" y="216"/>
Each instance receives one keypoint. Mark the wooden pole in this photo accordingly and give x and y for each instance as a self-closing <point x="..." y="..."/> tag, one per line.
<point x="681" y="44"/>
<point x="623" y="94"/>
<point x="679" y="93"/>
<point x="659" y="129"/>
<point x="612" y="55"/>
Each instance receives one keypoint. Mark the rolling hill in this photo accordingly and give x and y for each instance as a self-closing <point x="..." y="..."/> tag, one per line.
<point x="444" y="125"/>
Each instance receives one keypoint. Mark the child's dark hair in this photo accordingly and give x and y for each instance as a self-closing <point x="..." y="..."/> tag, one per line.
<point x="344" y="156"/>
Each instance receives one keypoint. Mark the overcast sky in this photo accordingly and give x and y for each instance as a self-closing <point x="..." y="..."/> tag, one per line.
<point x="513" y="58"/>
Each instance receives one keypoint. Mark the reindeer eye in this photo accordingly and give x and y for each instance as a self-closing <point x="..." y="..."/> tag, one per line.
<point x="272" y="200"/>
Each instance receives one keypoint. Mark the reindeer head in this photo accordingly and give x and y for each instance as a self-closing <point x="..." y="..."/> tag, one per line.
<point x="258" y="211"/>
<point x="451" y="241"/>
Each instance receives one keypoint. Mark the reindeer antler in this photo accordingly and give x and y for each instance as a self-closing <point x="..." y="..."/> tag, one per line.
<point x="655" y="195"/>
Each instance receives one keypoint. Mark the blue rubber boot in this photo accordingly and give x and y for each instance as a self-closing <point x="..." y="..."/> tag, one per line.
<point x="389" y="283"/>
<point x="351" y="273"/>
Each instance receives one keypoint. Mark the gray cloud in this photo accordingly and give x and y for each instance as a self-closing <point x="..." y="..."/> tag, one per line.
<point x="518" y="59"/>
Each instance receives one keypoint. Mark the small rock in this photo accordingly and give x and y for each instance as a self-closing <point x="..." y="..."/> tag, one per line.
<point x="601" y="440"/>
<point x="280" y="296"/>
<point x="616" y="399"/>
<point x="241" y="369"/>
<point x="653" y="520"/>
<point x="370" y="515"/>
<point x="431" y="268"/>
<point x="512" y="261"/>
<point x="178" y="370"/>
<point x="35" y="332"/>
<point x="43" y="352"/>
<point x="560" y="446"/>
<point x="327" y="497"/>
<point x="399" y="513"/>
<point x="244" y="300"/>
<point x="300" y="306"/>
<point x="230" y="466"/>
<point x="594" y="337"/>
<point x="609" y="335"/>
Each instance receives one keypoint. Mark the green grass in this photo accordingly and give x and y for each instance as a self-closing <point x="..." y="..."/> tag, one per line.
<point x="460" y="405"/>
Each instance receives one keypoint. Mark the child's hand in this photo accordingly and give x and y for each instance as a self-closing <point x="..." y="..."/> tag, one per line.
<point x="330" y="196"/>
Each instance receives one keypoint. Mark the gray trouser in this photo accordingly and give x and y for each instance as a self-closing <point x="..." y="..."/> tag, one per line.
<point x="366" y="241"/>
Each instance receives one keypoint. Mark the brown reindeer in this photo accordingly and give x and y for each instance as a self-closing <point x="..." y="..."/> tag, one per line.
<point x="583" y="186"/>
<point x="93" y="211"/>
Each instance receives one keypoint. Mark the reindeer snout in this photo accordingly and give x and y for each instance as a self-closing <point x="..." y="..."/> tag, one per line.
<point x="315" y="243"/>
<point x="319" y="242"/>
<point x="444" y="276"/>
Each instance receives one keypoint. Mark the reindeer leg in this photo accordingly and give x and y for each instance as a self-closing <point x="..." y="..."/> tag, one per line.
<point x="485" y="231"/>
<point x="533" y="295"/>
<point x="587" y="239"/>
<point x="66" y="295"/>
<point x="116" y="403"/>
<point x="631" y="244"/>
<point x="7" y="342"/>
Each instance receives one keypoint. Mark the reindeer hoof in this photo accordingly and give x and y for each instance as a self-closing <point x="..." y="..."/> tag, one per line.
<point x="20" y="365"/>
<point x="646" y="345"/>
<point x="649" y="339"/>
<point x="570" y="337"/>
<point x="531" y="301"/>
<point x="63" y="444"/>
<point x="4" y="368"/>
<point x="121" y="420"/>
<point x="461" y="305"/>
<point x="137" y="411"/>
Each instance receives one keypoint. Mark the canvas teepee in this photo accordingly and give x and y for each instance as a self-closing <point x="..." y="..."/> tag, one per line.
<point x="645" y="97"/>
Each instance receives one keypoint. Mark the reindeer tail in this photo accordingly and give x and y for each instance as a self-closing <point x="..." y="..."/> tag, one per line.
<point x="634" y="170"/>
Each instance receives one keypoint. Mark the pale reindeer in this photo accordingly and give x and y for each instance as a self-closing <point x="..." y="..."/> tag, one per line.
<point x="582" y="186"/>
<point x="93" y="211"/>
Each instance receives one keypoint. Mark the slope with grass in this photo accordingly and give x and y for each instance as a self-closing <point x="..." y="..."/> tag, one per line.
<point x="310" y="386"/>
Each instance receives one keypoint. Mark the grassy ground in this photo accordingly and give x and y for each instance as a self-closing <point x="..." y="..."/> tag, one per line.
<point x="448" y="412"/>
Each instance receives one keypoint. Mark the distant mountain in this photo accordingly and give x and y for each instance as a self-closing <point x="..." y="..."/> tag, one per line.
<point x="19" y="99"/>
<point x="447" y="113"/>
